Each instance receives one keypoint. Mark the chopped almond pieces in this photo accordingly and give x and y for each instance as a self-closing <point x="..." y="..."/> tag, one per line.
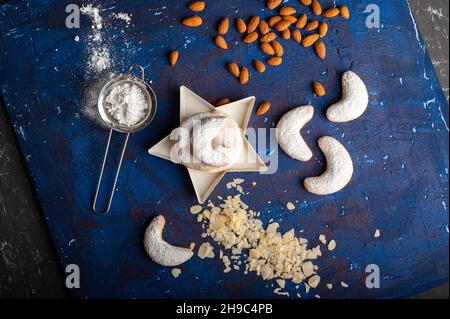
<point x="269" y="253"/>
<point x="175" y="272"/>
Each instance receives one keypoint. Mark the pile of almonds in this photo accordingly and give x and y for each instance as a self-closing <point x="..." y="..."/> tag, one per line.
<point x="287" y="23"/>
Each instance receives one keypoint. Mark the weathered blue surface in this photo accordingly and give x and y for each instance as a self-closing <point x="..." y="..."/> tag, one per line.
<point x="399" y="146"/>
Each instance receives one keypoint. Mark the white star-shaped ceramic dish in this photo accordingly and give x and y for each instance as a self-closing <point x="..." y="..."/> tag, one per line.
<point x="249" y="161"/>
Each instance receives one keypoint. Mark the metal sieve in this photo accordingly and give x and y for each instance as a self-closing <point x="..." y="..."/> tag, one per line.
<point x="113" y="125"/>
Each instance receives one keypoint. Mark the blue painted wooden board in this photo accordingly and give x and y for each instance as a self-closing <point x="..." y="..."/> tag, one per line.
<point x="399" y="146"/>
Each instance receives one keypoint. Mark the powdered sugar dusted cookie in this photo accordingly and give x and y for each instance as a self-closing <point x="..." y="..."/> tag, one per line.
<point x="339" y="169"/>
<point x="354" y="102"/>
<point x="209" y="142"/>
<point x="288" y="133"/>
<point x="159" y="250"/>
<point x="218" y="143"/>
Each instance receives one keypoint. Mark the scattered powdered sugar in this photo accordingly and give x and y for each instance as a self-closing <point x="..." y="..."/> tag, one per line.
<point x="99" y="57"/>
<point x="123" y="16"/>
<point x="90" y="98"/>
<point x="98" y="49"/>
<point x="94" y="13"/>
<point x="126" y="103"/>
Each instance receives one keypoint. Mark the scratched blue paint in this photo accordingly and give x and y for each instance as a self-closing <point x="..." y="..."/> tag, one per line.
<point x="400" y="147"/>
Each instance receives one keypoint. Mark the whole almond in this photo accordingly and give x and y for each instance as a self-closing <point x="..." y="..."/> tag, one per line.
<point x="277" y="48"/>
<point x="223" y="101"/>
<point x="263" y="27"/>
<point x="312" y="25"/>
<point x="197" y="6"/>
<point x="301" y="21"/>
<point x="253" y="24"/>
<point x="282" y="25"/>
<point x="269" y="37"/>
<point x="323" y="29"/>
<point x="345" y="13"/>
<point x="286" y="34"/>
<point x="259" y="66"/>
<point x="263" y="108"/>
<point x="274" y="20"/>
<point x="330" y="13"/>
<point x="316" y="7"/>
<point x="306" y="2"/>
<point x="193" y="22"/>
<point x="234" y="69"/>
<point x="240" y="25"/>
<point x="223" y="26"/>
<point x="321" y="49"/>
<point x="275" y="61"/>
<point x="272" y="4"/>
<point x="319" y="89"/>
<point x="220" y="42"/>
<point x="245" y="76"/>
<point x="310" y="39"/>
<point x="291" y="19"/>
<point x="267" y="48"/>
<point x="287" y="11"/>
<point x="296" y="35"/>
<point x="173" y="58"/>
<point x="251" y="37"/>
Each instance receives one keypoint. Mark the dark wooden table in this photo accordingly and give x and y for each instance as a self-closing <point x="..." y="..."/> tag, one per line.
<point x="29" y="267"/>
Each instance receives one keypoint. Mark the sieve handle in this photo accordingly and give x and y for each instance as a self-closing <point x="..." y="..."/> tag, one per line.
<point x="124" y="147"/>
<point x="137" y="66"/>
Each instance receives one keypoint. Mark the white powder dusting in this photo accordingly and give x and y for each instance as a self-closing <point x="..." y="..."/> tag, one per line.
<point x="99" y="57"/>
<point x="90" y="98"/>
<point x="99" y="52"/>
<point x="123" y="16"/>
<point x="126" y="103"/>
<point x="94" y="13"/>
